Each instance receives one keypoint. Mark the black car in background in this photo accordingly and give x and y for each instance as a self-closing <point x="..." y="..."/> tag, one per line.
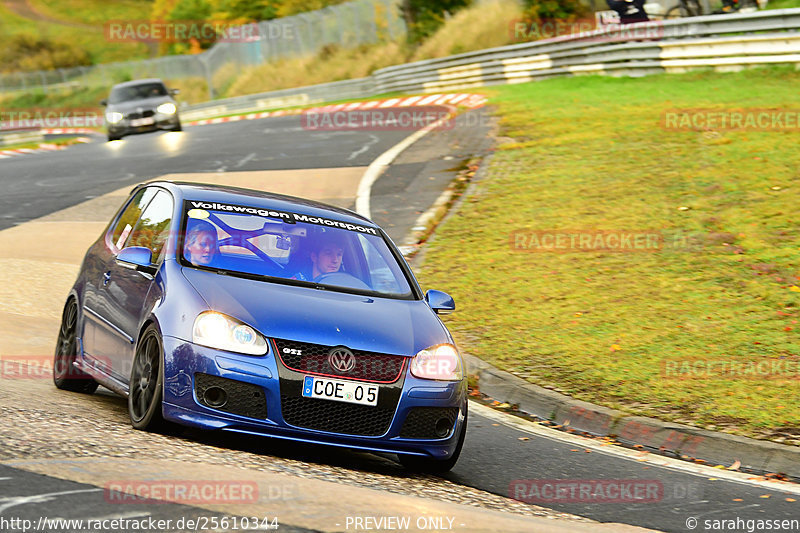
<point x="139" y="106"/>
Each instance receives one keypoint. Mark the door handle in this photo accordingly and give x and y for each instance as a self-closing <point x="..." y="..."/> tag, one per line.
<point x="106" y="278"/>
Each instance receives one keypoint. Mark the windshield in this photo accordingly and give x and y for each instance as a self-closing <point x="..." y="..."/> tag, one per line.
<point x="137" y="92"/>
<point x="291" y="248"/>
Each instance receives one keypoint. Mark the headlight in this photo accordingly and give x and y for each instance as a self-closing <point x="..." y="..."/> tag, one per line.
<point x="167" y="108"/>
<point x="222" y="332"/>
<point x="114" y="116"/>
<point x="440" y="362"/>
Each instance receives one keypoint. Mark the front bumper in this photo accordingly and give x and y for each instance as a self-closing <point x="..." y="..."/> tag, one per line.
<point x="160" y="122"/>
<point x="265" y="379"/>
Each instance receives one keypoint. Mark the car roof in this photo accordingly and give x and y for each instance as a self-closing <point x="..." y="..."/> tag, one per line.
<point x="206" y="192"/>
<point x="139" y="82"/>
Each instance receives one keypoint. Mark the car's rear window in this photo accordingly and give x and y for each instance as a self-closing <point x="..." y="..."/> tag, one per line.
<point x="291" y="248"/>
<point x="137" y="92"/>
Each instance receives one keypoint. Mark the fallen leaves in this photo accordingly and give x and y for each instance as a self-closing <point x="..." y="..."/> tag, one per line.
<point x="735" y="466"/>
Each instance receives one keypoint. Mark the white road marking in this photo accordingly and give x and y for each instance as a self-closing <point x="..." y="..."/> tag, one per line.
<point x="372" y="140"/>
<point x="632" y="455"/>
<point x="377" y="167"/>
<point x="7" y="503"/>
<point x="244" y="160"/>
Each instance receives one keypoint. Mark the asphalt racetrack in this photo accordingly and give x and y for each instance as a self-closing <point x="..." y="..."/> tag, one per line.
<point x="502" y="454"/>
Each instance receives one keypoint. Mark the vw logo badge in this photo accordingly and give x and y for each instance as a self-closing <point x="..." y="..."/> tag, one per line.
<point x="341" y="359"/>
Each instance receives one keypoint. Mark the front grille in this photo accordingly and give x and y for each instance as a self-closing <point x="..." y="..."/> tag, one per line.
<point x="336" y="417"/>
<point x="421" y="422"/>
<point x="243" y="399"/>
<point x="145" y="114"/>
<point x="313" y="359"/>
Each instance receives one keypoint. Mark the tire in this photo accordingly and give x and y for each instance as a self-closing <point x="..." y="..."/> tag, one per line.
<point x="113" y="138"/>
<point x="147" y="382"/>
<point x="65" y="375"/>
<point x="426" y="465"/>
<point x="178" y="127"/>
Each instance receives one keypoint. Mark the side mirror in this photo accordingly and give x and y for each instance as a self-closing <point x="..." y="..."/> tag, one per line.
<point x="137" y="258"/>
<point x="174" y="92"/>
<point x="103" y="102"/>
<point x="441" y="302"/>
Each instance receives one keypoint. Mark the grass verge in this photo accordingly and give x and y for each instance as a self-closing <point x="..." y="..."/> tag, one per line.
<point x="590" y="153"/>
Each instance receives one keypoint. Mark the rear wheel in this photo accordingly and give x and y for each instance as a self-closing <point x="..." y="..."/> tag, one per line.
<point x="65" y="375"/>
<point x="427" y="465"/>
<point x="146" y="385"/>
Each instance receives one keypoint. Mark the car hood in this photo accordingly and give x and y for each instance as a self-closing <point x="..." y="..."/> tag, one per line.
<point x="400" y="327"/>
<point x="133" y="105"/>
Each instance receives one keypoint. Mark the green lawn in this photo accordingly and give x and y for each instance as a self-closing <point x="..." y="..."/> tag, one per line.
<point x="590" y="153"/>
<point x="95" y="12"/>
<point x="92" y="40"/>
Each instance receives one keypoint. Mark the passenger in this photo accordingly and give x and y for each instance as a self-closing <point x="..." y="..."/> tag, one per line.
<point x="200" y="246"/>
<point x="326" y="258"/>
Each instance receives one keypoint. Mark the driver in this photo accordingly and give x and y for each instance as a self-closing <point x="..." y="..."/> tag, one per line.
<point x="201" y="242"/>
<point x="326" y="258"/>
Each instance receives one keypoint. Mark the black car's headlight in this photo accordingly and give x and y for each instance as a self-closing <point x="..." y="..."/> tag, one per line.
<point x="114" y="116"/>
<point x="167" y="108"/>
<point x="440" y="362"/>
<point x="222" y="332"/>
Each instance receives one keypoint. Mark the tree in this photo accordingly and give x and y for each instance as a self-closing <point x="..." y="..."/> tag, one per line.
<point x="248" y="10"/>
<point x="553" y="10"/>
<point x="424" y="17"/>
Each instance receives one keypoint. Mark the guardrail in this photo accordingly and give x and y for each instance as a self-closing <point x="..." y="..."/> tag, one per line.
<point x="347" y="24"/>
<point x="722" y="42"/>
<point x="9" y="138"/>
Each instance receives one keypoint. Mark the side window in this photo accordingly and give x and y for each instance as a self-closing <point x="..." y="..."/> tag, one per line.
<point x="129" y="217"/>
<point x="383" y="274"/>
<point x="152" y="229"/>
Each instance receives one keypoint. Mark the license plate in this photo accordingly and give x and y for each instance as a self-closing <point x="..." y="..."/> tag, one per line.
<point x="340" y="391"/>
<point x="136" y="122"/>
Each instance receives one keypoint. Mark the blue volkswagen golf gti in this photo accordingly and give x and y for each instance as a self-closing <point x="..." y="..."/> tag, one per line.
<point x="261" y="314"/>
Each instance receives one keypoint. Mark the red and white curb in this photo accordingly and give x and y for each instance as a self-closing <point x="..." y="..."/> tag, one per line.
<point x="45" y="147"/>
<point x="458" y="99"/>
<point x="61" y="131"/>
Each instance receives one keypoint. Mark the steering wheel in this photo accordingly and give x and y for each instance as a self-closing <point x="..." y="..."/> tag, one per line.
<point x="342" y="279"/>
<point x="272" y="267"/>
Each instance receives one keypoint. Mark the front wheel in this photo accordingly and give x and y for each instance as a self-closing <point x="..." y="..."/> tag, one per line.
<point x="147" y="382"/>
<point x="426" y="465"/>
<point x="65" y="375"/>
